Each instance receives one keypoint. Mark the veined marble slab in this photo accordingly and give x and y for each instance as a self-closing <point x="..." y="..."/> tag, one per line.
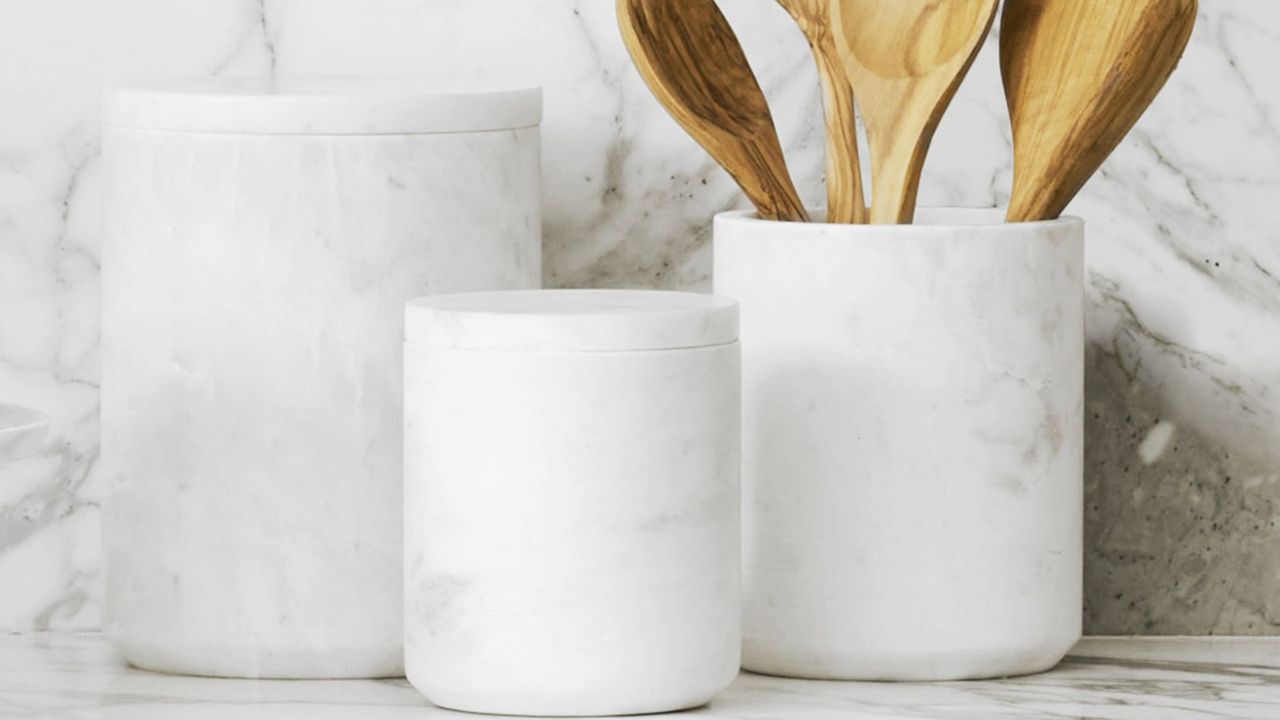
<point x="78" y="676"/>
<point x="1183" y="387"/>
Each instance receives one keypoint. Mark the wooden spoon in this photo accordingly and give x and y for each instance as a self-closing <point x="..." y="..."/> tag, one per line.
<point x="906" y="58"/>
<point x="691" y="60"/>
<point x="845" y="201"/>
<point x="1078" y="74"/>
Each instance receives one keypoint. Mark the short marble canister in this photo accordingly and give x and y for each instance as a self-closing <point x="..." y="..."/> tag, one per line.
<point x="912" y="458"/>
<point x="262" y="238"/>
<point x="571" y="501"/>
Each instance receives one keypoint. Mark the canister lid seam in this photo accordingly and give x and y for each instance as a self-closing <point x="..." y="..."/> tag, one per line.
<point x="261" y="133"/>
<point x="563" y="351"/>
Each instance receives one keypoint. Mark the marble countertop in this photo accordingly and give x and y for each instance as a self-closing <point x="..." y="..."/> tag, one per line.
<point x="51" y="675"/>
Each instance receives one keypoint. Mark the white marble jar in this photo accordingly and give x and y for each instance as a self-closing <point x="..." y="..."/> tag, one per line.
<point x="912" y="444"/>
<point x="571" y="501"/>
<point x="262" y="238"/>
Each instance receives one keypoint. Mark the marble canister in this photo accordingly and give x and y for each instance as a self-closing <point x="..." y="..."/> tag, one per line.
<point x="262" y="237"/>
<point x="571" y="501"/>
<point x="912" y="457"/>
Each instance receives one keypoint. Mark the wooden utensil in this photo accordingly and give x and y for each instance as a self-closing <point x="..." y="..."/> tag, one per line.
<point x="692" y="62"/>
<point x="845" y="200"/>
<point x="905" y="58"/>
<point x="1077" y="76"/>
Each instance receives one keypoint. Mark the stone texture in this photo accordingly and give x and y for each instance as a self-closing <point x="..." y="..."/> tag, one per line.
<point x="1183" y="250"/>
<point x="1180" y="533"/>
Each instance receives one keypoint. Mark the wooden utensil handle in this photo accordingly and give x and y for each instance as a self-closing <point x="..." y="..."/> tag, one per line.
<point x="762" y="174"/>
<point x="846" y="202"/>
<point x="896" y="172"/>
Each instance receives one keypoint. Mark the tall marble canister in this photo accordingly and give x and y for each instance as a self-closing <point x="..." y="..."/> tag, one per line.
<point x="571" y="501"/>
<point x="912" y="443"/>
<point x="262" y="237"/>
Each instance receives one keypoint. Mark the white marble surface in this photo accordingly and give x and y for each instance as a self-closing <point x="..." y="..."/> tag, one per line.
<point x="71" y="676"/>
<point x="912" y="443"/>
<point x="571" y="501"/>
<point x="1183" y="395"/>
<point x="22" y="432"/>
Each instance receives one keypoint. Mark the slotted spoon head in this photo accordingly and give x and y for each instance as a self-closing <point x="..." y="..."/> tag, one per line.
<point x="845" y="199"/>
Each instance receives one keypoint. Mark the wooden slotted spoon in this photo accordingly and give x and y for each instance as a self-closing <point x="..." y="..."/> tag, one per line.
<point x="1077" y="75"/>
<point x="845" y="199"/>
<point x="906" y="58"/>
<point x="693" y="63"/>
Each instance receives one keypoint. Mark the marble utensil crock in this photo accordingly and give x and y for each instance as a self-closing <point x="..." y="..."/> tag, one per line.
<point x="571" y="501"/>
<point x="912" y="444"/>
<point x="261" y="239"/>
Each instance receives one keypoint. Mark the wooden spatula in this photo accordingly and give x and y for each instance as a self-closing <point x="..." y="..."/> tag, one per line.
<point x="1077" y="75"/>
<point x="691" y="60"/>
<point x="906" y="58"/>
<point x="845" y="200"/>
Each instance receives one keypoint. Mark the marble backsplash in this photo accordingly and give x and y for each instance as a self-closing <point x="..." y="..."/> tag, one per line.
<point x="1183" y="384"/>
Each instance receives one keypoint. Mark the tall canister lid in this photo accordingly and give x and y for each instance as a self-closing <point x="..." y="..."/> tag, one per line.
<point x="572" y="320"/>
<point x="324" y="106"/>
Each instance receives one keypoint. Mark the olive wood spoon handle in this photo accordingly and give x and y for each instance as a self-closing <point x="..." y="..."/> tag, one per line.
<point x="692" y="62"/>
<point x="845" y="199"/>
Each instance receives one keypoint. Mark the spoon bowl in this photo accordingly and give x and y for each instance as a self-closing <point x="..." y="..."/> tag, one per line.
<point x="1078" y="75"/>
<point x="906" y="59"/>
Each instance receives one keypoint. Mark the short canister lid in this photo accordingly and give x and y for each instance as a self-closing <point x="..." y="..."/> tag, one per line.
<point x="572" y="320"/>
<point x="324" y="106"/>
